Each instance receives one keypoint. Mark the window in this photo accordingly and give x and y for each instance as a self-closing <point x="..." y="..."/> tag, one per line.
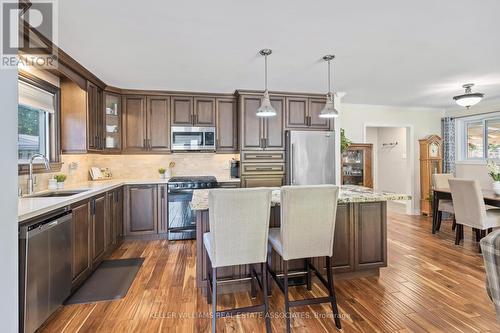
<point x="480" y="137"/>
<point x="37" y="119"/>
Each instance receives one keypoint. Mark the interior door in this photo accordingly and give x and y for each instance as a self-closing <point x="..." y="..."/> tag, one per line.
<point x="158" y="123"/>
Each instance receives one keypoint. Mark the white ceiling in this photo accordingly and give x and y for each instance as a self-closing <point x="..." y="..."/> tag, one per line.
<point x="415" y="53"/>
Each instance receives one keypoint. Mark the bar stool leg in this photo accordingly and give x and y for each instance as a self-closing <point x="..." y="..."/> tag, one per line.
<point x="264" y="277"/>
<point x="253" y="289"/>
<point x="331" y="291"/>
<point x="454" y="225"/>
<point x="214" y="300"/>
<point x="287" y="305"/>
<point x="309" y="275"/>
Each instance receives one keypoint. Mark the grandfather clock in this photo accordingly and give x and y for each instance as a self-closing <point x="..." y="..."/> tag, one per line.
<point x="431" y="162"/>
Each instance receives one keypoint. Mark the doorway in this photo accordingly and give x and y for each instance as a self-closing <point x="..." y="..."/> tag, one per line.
<point x="392" y="162"/>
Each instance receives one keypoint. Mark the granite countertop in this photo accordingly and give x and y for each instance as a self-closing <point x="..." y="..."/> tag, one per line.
<point x="348" y="194"/>
<point x="32" y="207"/>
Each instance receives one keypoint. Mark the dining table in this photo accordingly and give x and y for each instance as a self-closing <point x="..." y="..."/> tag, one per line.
<point x="490" y="198"/>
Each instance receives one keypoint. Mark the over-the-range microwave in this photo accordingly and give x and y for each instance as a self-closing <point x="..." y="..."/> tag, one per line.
<point x="192" y="138"/>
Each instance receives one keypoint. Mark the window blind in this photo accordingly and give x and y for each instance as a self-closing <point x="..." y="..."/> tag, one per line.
<point x="34" y="97"/>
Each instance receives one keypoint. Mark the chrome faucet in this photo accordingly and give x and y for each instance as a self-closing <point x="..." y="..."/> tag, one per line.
<point x="31" y="183"/>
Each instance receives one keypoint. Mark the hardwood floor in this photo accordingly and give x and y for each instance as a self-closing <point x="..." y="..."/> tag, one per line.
<point x="430" y="285"/>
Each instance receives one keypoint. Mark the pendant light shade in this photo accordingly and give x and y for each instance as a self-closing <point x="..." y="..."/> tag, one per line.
<point x="266" y="109"/>
<point x="329" y="110"/>
<point x="469" y="98"/>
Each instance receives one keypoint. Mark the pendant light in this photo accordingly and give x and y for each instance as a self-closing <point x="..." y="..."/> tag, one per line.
<point x="266" y="109"/>
<point x="469" y="98"/>
<point x="329" y="110"/>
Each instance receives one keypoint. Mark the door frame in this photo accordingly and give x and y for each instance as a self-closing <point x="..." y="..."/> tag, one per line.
<point x="410" y="160"/>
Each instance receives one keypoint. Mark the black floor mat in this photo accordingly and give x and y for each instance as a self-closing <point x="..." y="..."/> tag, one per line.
<point x="110" y="281"/>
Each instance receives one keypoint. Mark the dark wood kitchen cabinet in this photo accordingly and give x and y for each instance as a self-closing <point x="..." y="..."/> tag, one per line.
<point x="146" y="124"/>
<point x="118" y="213"/>
<point x="262" y="180"/>
<point x="140" y="210"/>
<point x="114" y="220"/>
<point x="99" y="223"/>
<point x="112" y="122"/>
<point x="158" y="123"/>
<point x="134" y="123"/>
<point x="303" y="113"/>
<point x="193" y="111"/>
<point x="182" y="111"/>
<point x="96" y="140"/>
<point x="204" y="112"/>
<point x="261" y="133"/>
<point x="227" y="125"/>
<point x="80" y="239"/>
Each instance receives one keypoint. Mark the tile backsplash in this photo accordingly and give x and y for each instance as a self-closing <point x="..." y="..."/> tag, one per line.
<point x="77" y="166"/>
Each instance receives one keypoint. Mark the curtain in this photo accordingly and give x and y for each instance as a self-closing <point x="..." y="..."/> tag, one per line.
<point x="448" y="134"/>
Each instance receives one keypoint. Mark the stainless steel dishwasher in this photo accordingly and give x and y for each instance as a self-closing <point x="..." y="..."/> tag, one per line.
<point x="45" y="268"/>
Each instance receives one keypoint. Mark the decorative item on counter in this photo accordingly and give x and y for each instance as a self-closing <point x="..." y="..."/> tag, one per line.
<point x="60" y="178"/>
<point x="344" y="141"/>
<point x="171" y="166"/>
<point x="161" y="171"/>
<point x="100" y="173"/>
<point x="52" y="184"/>
<point x="494" y="172"/>
<point x="235" y="168"/>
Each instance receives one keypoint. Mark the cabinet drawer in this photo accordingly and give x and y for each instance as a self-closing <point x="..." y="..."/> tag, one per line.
<point x="268" y="169"/>
<point x="263" y="181"/>
<point x="263" y="156"/>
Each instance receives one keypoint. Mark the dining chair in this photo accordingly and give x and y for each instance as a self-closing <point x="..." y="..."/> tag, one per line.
<point x="440" y="180"/>
<point x="239" y="226"/>
<point x="307" y="230"/>
<point x="470" y="209"/>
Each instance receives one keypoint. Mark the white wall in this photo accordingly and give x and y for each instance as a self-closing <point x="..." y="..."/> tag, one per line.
<point x="473" y="170"/>
<point x="391" y="171"/>
<point x="354" y="118"/>
<point x="8" y="202"/>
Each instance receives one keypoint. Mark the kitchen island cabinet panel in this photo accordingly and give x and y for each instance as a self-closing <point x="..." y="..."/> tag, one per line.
<point x="359" y="250"/>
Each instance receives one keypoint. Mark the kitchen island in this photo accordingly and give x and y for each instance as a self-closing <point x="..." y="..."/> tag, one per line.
<point x="360" y="240"/>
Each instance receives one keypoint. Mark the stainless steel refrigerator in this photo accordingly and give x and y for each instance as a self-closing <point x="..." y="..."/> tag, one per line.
<point x="310" y="157"/>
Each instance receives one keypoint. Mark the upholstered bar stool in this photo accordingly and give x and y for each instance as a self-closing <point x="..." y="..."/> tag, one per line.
<point x="470" y="209"/>
<point x="239" y="226"/>
<point x="307" y="230"/>
<point x="440" y="180"/>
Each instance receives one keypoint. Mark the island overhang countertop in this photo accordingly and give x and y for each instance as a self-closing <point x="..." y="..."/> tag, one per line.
<point x="348" y="194"/>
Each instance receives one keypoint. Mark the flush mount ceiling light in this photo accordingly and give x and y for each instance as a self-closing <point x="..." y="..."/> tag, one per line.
<point x="329" y="110"/>
<point x="266" y="109"/>
<point x="469" y="98"/>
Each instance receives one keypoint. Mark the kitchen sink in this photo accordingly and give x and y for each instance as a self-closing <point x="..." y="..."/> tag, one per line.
<point x="55" y="194"/>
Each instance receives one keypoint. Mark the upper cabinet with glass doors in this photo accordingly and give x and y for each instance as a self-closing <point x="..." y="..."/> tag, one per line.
<point x="112" y="121"/>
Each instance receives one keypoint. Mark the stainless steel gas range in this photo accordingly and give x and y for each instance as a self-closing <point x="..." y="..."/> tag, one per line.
<point x="181" y="219"/>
